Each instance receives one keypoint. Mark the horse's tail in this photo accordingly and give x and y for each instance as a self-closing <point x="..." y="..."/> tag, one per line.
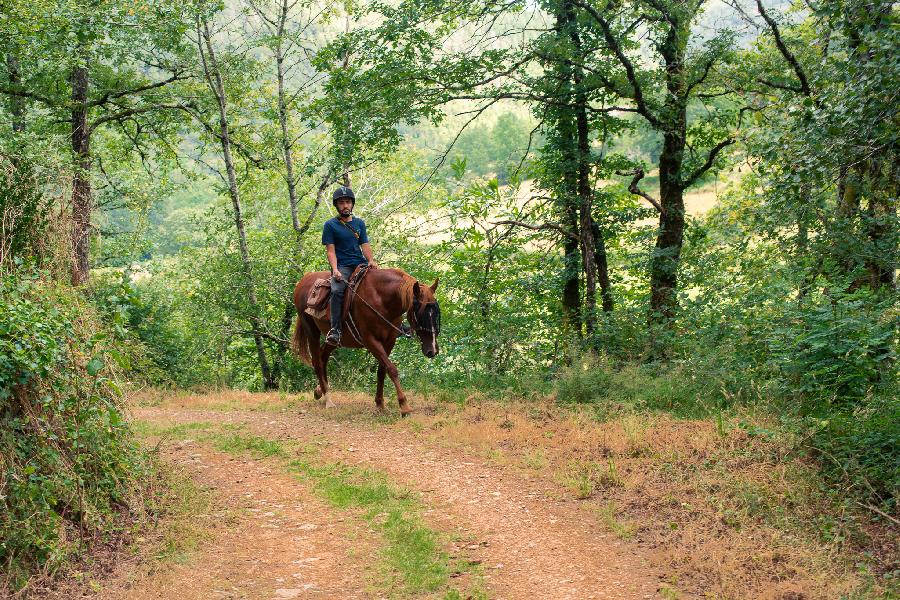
<point x="300" y="342"/>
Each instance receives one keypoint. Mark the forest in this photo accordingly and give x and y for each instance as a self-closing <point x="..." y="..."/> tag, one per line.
<point x="676" y="213"/>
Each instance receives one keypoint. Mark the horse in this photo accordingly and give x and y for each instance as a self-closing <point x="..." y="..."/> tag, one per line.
<point x="372" y="321"/>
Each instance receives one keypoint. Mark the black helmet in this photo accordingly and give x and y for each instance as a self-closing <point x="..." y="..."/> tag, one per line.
<point x="342" y="192"/>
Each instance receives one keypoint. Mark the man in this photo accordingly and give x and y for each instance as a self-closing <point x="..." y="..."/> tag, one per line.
<point x="347" y="246"/>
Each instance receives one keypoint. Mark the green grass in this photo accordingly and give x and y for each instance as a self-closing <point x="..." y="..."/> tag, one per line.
<point x="235" y="443"/>
<point x="609" y="514"/>
<point x="412" y="559"/>
<point x="182" y="530"/>
<point x="147" y="429"/>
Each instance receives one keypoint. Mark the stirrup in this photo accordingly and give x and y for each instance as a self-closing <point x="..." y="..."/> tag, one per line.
<point x="333" y="337"/>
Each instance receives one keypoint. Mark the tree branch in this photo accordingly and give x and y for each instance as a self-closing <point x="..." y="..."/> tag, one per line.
<point x="541" y="227"/>
<point x="124" y="114"/>
<point x="780" y="86"/>
<point x="638" y="174"/>
<point x="150" y="86"/>
<point x="785" y="52"/>
<point x="31" y="95"/>
<point x="613" y="43"/>
<point x="710" y="159"/>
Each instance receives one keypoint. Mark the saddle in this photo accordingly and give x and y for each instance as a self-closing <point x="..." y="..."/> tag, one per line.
<point x="317" y="302"/>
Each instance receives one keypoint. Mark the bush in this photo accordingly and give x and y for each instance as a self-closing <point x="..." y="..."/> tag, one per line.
<point x="23" y="212"/>
<point x="586" y="380"/>
<point x="860" y="450"/>
<point x="839" y="349"/>
<point x="67" y="459"/>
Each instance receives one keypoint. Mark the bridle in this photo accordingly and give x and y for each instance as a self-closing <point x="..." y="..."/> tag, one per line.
<point x="431" y="312"/>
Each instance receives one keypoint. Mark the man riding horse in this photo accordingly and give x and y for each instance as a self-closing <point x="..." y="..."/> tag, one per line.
<point x="379" y="299"/>
<point x="347" y="246"/>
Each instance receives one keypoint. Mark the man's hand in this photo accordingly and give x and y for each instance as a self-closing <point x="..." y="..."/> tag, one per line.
<point x="373" y="264"/>
<point x="336" y="274"/>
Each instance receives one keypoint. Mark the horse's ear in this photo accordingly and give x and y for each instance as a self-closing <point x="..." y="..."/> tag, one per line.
<point x="417" y="290"/>
<point x="435" y="284"/>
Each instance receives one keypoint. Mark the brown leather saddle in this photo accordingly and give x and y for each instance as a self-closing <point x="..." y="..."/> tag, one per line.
<point x="317" y="304"/>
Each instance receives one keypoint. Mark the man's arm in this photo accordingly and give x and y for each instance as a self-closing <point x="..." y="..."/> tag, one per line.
<point x="367" y="252"/>
<point x="332" y="260"/>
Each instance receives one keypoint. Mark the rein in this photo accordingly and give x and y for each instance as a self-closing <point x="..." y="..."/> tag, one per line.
<point x="354" y="330"/>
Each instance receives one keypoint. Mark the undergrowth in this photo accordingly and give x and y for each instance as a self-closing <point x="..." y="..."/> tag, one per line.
<point x="68" y="464"/>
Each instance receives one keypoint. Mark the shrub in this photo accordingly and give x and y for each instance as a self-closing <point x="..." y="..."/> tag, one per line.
<point x="587" y="379"/>
<point x="836" y="351"/>
<point x="860" y="450"/>
<point x="66" y="455"/>
<point x="22" y="211"/>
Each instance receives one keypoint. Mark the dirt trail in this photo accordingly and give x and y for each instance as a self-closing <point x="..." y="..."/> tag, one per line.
<point x="531" y="543"/>
<point x="274" y="540"/>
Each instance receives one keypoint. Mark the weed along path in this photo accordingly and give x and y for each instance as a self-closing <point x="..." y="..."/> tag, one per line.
<point x="347" y="504"/>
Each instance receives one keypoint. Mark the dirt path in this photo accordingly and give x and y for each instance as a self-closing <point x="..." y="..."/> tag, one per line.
<point x="273" y="540"/>
<point x="530" y="542"/>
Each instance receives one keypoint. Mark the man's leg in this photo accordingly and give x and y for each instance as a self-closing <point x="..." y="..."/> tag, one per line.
<point x="338" y="288"/>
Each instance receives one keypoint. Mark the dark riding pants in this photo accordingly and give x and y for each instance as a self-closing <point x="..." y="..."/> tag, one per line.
<point x="338" y="288"/>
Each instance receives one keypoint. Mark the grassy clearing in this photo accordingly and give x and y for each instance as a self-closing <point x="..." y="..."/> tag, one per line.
<point x="412" y="559"/>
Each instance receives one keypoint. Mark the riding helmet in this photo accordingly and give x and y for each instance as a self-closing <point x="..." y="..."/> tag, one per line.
<point x="342" y="192"/>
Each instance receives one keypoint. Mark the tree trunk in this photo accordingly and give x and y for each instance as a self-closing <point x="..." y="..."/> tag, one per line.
<point x="284" y="333"/>
<point x="16" y="104"/>
<point x="568" y="199"/>
<point x="585" y="209"/>
<point x="666" y="255"/>
<point x="571" y="295"/>
<point x="600" y="260"/>
<point x="81" y="183"/>
<point x="214" y="79"/>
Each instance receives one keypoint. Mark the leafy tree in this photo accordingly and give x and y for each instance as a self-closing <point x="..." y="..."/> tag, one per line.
<point x="94" y="66"/>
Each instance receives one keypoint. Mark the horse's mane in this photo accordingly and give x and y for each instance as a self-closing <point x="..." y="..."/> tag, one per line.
<point x="406" y="289"/>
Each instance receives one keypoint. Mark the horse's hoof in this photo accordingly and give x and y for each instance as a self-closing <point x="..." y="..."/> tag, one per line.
<point x="317" y="394"/>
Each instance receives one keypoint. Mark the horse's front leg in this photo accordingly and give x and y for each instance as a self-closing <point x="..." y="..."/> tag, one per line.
<point x="381" y="354"/>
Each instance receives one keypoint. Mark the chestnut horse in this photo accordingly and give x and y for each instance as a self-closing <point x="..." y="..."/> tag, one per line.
<point x="372" y="322"/>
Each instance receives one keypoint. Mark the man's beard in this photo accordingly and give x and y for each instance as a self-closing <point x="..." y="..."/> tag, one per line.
<point x="346" y="212"/>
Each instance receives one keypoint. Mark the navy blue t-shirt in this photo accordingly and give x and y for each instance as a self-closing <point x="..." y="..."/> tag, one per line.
<point x="346" y="245"/>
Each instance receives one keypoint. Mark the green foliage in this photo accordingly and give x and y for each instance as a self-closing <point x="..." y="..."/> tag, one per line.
<point x="588" y="379"/>
<point x="497" y="150"/>
<point x="859" y="449"/>
<point x="837" y="348"/>
<point x="67" y="462"/>
<point x="150" y="330"/>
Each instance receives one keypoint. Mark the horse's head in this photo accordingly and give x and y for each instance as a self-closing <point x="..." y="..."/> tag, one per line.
<point x="425" y="317"/>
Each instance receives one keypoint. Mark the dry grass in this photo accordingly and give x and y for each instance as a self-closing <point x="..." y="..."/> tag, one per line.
<point x="719" y="505"/>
